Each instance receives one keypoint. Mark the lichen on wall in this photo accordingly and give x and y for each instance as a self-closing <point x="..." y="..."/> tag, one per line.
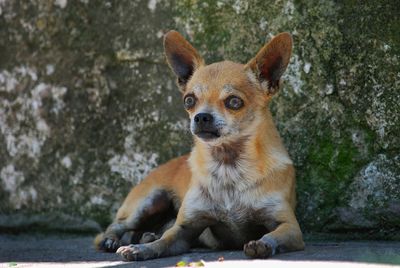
<point x="87" y="106"/>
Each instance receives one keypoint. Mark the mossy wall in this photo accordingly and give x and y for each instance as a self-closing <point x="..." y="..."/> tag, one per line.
<point x="88" y="105"/>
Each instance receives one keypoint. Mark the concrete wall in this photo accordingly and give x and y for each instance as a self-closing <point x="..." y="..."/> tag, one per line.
<point x="88" y="105"/>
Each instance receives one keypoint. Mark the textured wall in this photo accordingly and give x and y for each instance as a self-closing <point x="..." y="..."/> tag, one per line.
<point x="88" y="106"/>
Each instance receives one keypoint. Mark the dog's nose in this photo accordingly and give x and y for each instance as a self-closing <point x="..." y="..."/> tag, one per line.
<point x="203" y="119"/>
<point x="203" y="126"/>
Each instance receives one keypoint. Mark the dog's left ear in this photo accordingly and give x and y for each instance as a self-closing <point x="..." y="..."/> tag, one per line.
<point x="271" y="61"/>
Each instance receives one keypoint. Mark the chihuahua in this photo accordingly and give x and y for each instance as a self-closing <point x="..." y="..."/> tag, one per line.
<point x="236" y="189"/>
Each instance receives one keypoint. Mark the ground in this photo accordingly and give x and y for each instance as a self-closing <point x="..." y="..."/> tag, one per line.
<point x="32" y="250"/>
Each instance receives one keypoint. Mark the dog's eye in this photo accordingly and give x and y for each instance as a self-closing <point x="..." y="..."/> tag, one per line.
<point x="234" y="103"/>
<point x="189" y="101"/>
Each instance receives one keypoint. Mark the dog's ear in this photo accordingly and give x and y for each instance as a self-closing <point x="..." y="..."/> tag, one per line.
<point x="182" y="57"/>
<point x="271" y="61"/>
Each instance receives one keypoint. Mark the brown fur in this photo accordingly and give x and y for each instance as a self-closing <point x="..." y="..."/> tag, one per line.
<point x="228" y="153"/>
<point x="234" y="191"/>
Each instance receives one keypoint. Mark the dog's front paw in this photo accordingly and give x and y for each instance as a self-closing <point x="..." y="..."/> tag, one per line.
<point x="257" y="249"/>
<point x="109" y="245"/>
<point x="138" y="252"/>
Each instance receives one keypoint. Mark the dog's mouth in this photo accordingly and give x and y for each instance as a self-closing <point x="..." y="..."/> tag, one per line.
<point x="208" y="134"/>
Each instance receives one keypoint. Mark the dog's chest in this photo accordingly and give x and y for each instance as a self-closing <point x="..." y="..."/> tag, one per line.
<point x="234" y="207"/>
<point x="234" y="216"/>
<point x="224" y="174"/>
<point x="236" y="221"/>
<point x="229" y="193"/>
<point x="231" y="197"/>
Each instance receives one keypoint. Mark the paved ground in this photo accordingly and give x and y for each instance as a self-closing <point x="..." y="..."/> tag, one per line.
<point x="69" y="250"/>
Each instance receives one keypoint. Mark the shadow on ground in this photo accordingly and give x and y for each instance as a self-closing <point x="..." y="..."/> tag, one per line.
<point x="31" y="249"/>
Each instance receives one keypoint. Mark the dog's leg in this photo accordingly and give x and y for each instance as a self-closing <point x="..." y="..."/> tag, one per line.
<point x="286" y="237"/>
<point x="176" y="240"/>
<point x="142" y="203"/>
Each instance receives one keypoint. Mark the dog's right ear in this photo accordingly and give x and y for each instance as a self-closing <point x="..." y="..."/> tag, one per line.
<point x="182" y="57"/>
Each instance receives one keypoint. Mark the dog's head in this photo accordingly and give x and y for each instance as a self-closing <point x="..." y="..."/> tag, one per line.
<point x="226" y="100"/>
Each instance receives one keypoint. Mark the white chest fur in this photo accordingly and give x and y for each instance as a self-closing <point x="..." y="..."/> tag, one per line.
<point x="229" y="204"/>
<point x="234" y="187"/>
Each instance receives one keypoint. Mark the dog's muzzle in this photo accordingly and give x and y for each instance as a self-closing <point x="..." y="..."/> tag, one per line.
<point x="204" y="127"/>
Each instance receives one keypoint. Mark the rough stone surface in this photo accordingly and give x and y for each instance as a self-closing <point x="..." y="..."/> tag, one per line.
<point x="88" y="106"/>
<point x="339" y="110"/>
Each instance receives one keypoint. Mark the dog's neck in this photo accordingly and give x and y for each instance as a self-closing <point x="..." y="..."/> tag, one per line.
<point x="243" y="162"/>
<point x="229" y="153"/>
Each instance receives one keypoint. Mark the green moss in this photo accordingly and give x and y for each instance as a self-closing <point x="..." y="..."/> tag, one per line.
<point x="331" y="165"/>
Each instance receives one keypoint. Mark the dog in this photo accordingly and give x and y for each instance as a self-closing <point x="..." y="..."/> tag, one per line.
<point x="236" y="189"/>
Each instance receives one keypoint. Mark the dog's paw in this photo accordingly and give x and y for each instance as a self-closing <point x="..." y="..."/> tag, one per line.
<point x="137" y="252"/>
<point x="148" y="237"/>
<point x="257" y="249"/>
<point x="109" y="245"/>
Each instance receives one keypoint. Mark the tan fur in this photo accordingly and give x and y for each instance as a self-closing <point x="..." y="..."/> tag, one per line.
<point x="174" y="175"/>
<point x="243" y="177"/>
